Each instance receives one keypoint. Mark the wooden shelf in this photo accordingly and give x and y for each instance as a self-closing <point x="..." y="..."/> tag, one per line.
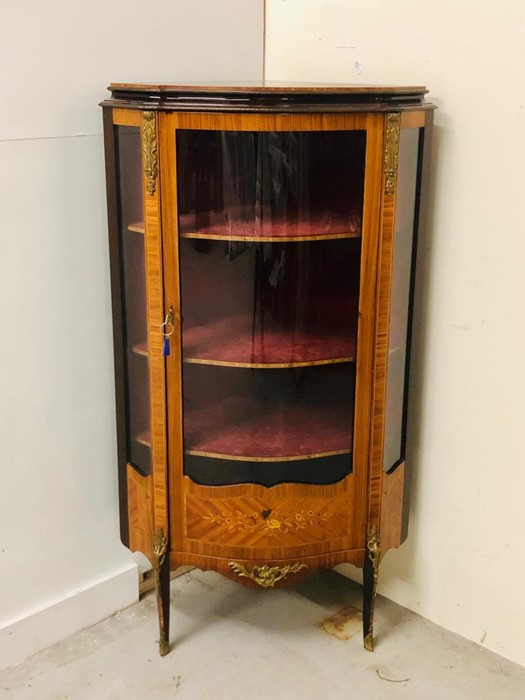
<point x="293" y="458"/>
<point x="141" y="349"/>
<point x="267" y="365"/>
<point x="270" y="239"/>
<point x="269" y="230"/>
<point x="144" y="438"/>
<point x="231" y="343"/>
<point x="264" y="354"/>
<point x="305" y="233"/>
<point x="203" y="235"/>
<point x="239" y="429"/>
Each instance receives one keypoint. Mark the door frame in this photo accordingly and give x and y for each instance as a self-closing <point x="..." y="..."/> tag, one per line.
<point x="355" y="484"/>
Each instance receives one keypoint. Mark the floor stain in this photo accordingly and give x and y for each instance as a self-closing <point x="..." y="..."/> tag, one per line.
<point x="344" y="624"/>
<point x="178" y="681"/>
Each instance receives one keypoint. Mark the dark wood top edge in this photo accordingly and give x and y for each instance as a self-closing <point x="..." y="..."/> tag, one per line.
<point x="267" y="88"/>
<point x="276" y="98"/>
<point x="266" y="106"/>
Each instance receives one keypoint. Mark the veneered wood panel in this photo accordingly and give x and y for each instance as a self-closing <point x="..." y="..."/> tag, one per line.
<point x="293" y="521"/>
<point x="412" y="120"/>
<point x="140" y="512"/>
<point x="322" y="561"/>
<point x="127" y="117"/>
<point x="173" y="363"/>
<point x="384" y="284"/>
<point x="392" y="508"/>
<point x="156" y="313"/>
<point x="271" y="122"/>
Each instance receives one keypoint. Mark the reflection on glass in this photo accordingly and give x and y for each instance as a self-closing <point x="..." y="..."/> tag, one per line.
<point x="134" y="295"/>
<point x="271" y="184"/>
<point x="400" y="300"/>
<point x="284" y="425"/>
<point x="270" y="227"/>
<point x="270" y="303"/>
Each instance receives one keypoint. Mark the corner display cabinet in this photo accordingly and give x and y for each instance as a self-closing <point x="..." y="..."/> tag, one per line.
<point x="263" y="240"/>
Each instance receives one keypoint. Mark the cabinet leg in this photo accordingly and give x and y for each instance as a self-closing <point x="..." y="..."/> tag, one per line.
<point x="370" y="575"/>
<point x="162" y="587"/>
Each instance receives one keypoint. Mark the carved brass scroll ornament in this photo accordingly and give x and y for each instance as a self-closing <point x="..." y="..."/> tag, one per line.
<point x="265" y="575"/>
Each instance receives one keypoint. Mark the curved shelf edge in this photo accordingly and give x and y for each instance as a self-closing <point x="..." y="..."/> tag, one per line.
<point x="245" y="458"/>
<point x="267" y="365"/>
<point x="141" y="349"/>
<point x="271" y="239"/>
<point x="144" y="438"/>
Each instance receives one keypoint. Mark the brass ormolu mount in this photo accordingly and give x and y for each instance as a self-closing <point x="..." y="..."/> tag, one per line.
<point x="373" y="546"/>
<point x="266" y="576"/>
<point x="160" y="547"/>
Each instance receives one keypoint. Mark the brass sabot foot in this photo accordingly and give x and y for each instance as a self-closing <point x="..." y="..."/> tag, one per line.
<point x="164" y="647"/>
<point x="369" y="641"/>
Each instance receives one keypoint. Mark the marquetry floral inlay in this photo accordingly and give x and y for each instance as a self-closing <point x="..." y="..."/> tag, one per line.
<point x="271" y="522"/>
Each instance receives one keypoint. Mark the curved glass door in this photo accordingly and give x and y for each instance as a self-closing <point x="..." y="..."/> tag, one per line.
<point x="270" y="250"/>
<point x="401" y="301"/>
<point x="131" y="234"/>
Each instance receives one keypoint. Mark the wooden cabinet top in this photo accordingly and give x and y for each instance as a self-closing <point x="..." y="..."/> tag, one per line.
<point x="267" y="96"/>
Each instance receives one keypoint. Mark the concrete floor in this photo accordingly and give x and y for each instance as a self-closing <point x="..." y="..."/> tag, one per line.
<point x="232" y="643"/>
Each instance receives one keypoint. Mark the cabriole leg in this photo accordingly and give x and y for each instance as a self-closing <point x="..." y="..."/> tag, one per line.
<point x="370" y="574"/>
<point x="162" y="586"/>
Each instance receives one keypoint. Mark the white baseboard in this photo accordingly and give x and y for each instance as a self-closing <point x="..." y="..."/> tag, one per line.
<point x="61" y="617"/>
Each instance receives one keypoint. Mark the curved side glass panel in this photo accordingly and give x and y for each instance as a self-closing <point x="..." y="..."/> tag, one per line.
<point x="270" y="251"/>
<point x="131" y="232"/>
<point x="401" y="301"/>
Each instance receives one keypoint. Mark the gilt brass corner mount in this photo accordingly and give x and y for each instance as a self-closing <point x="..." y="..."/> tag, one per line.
<point x="373" y="546"/>
<point x="149" y="151"/>
<point x="393" y="123"/>
<point x="160" y="547"/>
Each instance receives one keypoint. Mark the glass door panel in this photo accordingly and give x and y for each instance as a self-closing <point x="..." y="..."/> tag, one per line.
<point x="401" y="303"/>
<point x="270" y="228"/>
<point x="131" y="218"/>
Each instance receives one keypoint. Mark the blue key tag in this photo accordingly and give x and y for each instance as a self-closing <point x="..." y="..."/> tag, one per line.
<point x="167" y="329"/>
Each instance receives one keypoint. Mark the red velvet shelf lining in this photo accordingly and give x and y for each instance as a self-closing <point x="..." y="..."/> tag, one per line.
<point x="212" y="224"/>
<point x="240" y="428"/>
<point x="232" y="341"/>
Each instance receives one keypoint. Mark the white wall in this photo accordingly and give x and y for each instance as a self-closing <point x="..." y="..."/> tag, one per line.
<point x="62" y="566"/>
<point x="463" y="565"/>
